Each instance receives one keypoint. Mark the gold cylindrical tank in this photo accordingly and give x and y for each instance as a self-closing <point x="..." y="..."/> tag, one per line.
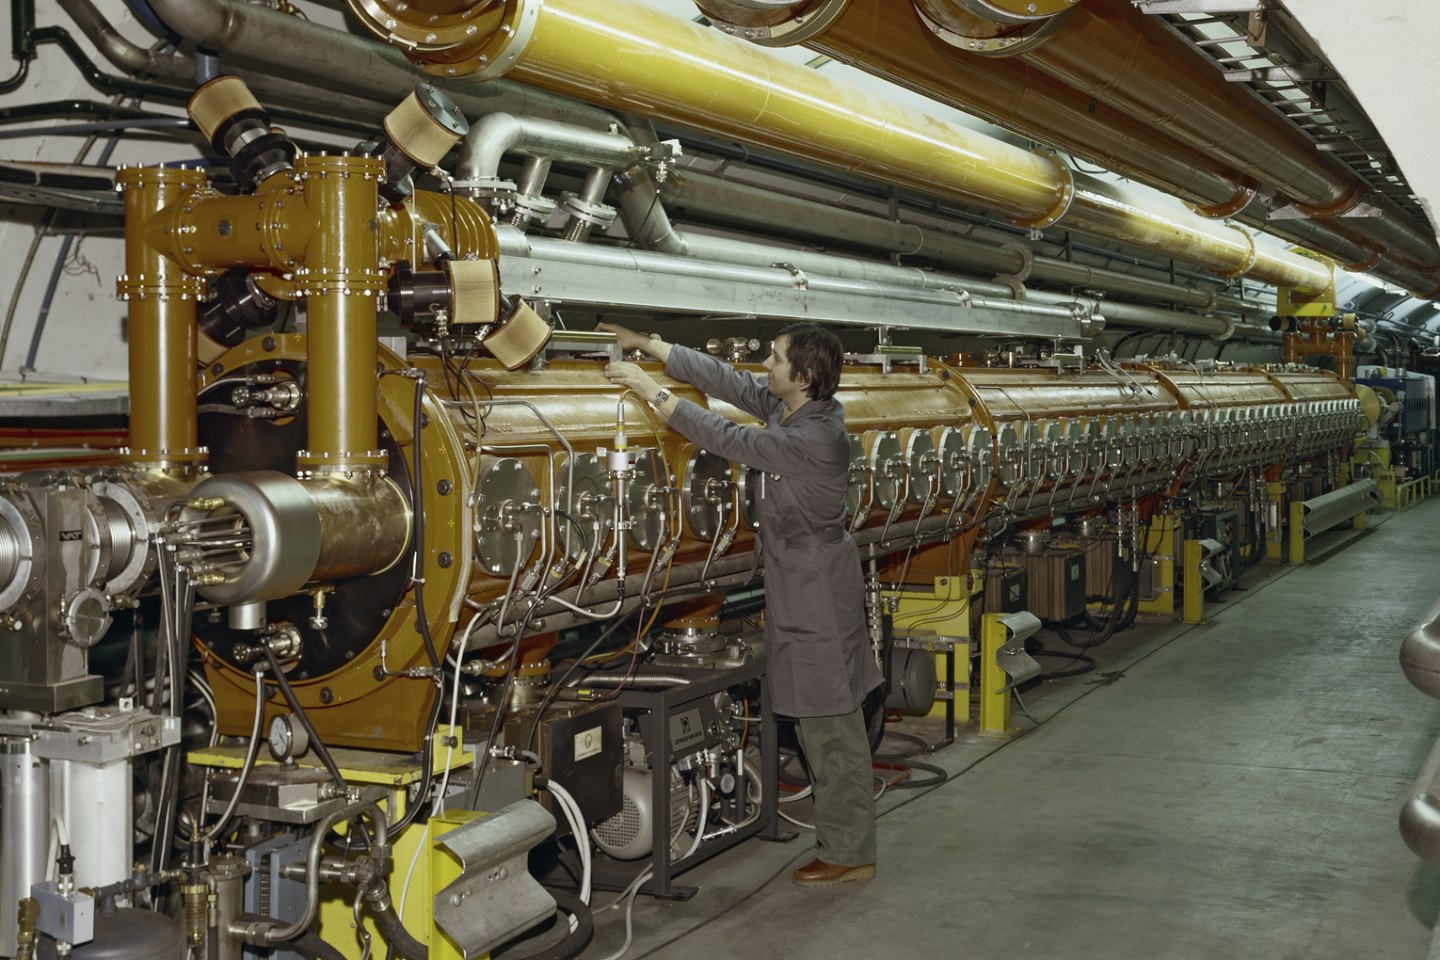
<point x="340" y="281"/>
<point x="495" y="465"/>
<point x="162" y="300"/>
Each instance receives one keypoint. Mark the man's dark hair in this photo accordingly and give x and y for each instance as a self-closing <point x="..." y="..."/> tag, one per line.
<point x="816" y="353"/>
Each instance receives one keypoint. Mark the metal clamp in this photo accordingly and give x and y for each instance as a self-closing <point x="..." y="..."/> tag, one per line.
<point x="1027" y="264"/>
<point x="1067" y="194"/>
<point x="801" y="281"/>
<point x="1011" y="657"/>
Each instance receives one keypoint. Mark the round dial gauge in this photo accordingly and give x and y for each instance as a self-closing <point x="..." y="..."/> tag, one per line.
<point x="288" y="739"/>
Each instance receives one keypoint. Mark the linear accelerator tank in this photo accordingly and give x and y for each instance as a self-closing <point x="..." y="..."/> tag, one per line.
<point x="951" y="444"/>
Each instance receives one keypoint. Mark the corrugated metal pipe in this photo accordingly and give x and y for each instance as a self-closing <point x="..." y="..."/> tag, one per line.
<point x="892" y="41"/>
<point x="633" y="57"/>
<point x="1116" y="52"/>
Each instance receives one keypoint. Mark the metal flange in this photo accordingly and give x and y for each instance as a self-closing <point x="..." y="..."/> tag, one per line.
<point x="1062" y="206"/>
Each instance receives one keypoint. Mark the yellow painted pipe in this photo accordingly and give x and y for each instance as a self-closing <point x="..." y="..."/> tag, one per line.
<point x="633" y="57"/>
<point x="341" y="278"/>
<point x="162" y="300"/>
<point x="1116" y="52"/>
<point x="889" y="40"/>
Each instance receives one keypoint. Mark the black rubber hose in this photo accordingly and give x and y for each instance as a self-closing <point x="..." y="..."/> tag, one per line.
<point x="417" y="510"/>
<point x="920" y="746"/>
<point x="545" y="946"/>
<point x="938" y="777"/>
<point x="399" y="938"/>
<point x="427" y="776"/>
<point x="308" y="944"/>
<point x="315" y="742"/>
<point x="1088" y="663"/>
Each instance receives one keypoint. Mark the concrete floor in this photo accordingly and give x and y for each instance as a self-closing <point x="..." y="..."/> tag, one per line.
<point x="1222" y="791"/>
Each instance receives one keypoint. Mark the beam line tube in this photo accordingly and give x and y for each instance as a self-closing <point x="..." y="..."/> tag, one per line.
<point x="137" y="61"/>
<point x="753" y="264"/>
<point x="1114" y="51"/>
<point x="888" y="40"/>
<point x="500" y="133"/>
<point x="726" y="200"/>
<point x="354" y="63"/>
<point x="648" y="222"/>
<point x="613" y="56"/>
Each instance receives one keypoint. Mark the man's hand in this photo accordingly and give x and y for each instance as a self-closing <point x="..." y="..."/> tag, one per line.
<point x="630" y="340"/>
<point x="630" y="375"/>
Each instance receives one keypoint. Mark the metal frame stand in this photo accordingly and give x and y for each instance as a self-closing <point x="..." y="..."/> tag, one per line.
<point x="659" y="706"/>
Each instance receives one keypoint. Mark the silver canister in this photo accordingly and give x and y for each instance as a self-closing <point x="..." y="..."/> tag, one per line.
<point x="24" y="831"/>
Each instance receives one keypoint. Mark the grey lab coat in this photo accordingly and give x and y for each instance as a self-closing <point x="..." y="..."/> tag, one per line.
<point x="819" y="658"/>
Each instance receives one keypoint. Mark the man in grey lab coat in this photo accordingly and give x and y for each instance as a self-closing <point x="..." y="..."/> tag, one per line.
<point x="820" y="665"/>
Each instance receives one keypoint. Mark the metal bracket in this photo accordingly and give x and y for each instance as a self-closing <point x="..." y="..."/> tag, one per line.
<point x="494" y="898"/>
<point x="1283" y="74"/>
<point x="1011" y="657"/>
<point x="1199" y="6"/>
<point x="801" y="281"/>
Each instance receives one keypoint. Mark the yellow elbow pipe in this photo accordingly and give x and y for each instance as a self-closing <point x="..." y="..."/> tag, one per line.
<point x="613" y="53"/>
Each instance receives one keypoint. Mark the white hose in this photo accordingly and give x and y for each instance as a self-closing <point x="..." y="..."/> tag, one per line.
<point x="449" y="753"/>
<point x="639" y="881"/>
<point x="582" y="837"/>
<point x="629" y="912"/>
<point x="704" y="817"/>
<point x="802" y="825"/>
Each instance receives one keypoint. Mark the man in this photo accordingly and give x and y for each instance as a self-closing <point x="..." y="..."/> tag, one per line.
<point x="819" y="661"/>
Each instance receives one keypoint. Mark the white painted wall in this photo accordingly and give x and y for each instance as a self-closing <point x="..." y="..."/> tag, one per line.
<point x="1388" y="51"/>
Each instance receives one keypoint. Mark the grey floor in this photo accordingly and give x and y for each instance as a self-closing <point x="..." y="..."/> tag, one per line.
<point x="1222" y="791"/>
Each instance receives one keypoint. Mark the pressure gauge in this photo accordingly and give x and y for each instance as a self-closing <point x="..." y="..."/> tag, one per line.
<point x="288" y="738"/>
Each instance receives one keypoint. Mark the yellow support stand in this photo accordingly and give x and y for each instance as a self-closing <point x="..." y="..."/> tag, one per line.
<point x="994" y="704"/>
<point x="395" y="772"/>
<point x="1275" y="538"/>
<point x="443" y="868"/>
<point x="1160" y="540"/>
<point x="1193" y="609"/>
<point x="1297" y="534"/>
<point x="942" y="613"/>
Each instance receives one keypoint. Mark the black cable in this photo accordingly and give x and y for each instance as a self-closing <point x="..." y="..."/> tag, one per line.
<point x="316" y="743"/>
<point x="938" y="776"/>
<point x="546" y="946"/>
<point x="427" y="775"/>
<point x="556" y="686"/>
<point x="1088" y="663"/>
<point x="472" y="793"/>
<point x="584" y="537"/>
<point x="920" y="747"/>
<point x="417" y="509"/>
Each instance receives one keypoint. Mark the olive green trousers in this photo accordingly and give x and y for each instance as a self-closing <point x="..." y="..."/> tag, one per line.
<point x="838" y="754"/>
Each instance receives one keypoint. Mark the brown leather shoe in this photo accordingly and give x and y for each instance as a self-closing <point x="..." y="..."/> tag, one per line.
<point x="818" y="873"/>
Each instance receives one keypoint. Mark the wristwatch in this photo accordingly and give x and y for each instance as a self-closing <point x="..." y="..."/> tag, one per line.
<point x="661" y="397"/>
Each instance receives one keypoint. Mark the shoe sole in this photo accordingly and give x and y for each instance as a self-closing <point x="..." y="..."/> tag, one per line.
<point x="859" y="873"/>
